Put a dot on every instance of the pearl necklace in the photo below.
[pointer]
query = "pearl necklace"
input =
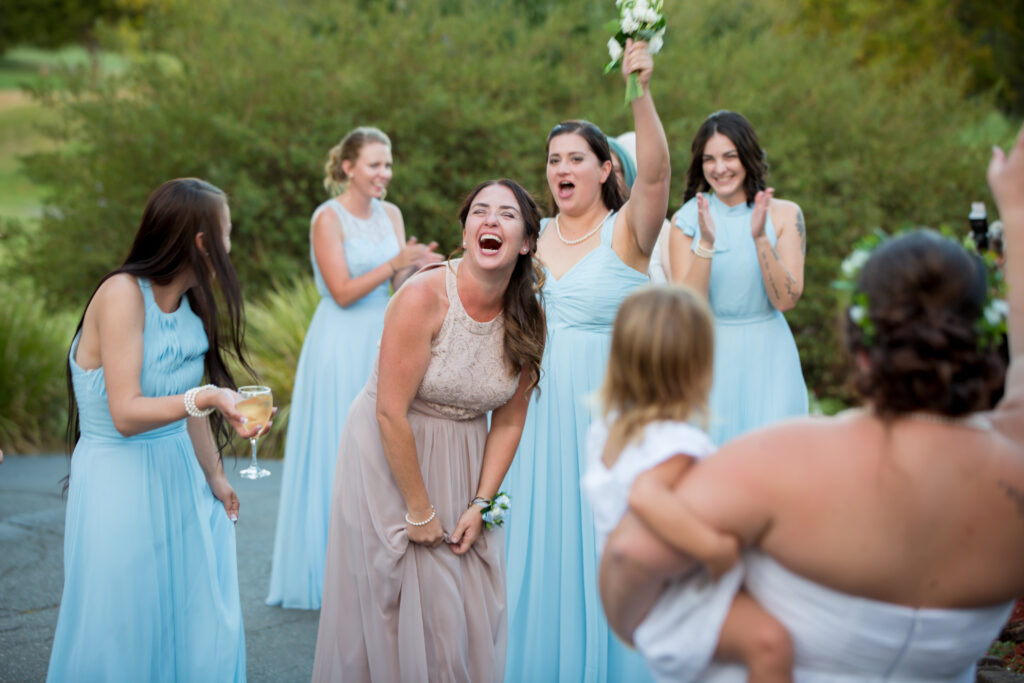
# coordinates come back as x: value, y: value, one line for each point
x: 558, y: 231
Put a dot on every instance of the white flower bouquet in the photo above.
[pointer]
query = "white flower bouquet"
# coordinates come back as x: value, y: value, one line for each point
x: 639, y: 20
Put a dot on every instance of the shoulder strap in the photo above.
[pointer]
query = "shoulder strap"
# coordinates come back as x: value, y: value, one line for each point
x: 147, y: 291
x: 608, y: 229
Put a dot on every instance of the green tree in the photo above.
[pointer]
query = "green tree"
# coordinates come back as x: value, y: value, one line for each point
x: 254, y: 93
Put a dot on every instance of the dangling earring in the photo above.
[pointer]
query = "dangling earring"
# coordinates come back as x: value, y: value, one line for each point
x: 463, y: 244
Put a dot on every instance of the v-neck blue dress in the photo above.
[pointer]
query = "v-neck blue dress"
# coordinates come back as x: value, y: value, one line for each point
x: 758, y: 379
x: 557, y: 628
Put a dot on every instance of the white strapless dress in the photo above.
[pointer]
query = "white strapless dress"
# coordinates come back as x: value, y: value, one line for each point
x: 845, y: 638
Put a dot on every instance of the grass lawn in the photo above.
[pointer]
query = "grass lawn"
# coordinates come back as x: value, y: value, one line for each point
x: 19, y: 135
x: 20, y: 66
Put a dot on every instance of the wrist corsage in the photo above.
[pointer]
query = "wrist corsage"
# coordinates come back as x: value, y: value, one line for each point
x: 494, y: 510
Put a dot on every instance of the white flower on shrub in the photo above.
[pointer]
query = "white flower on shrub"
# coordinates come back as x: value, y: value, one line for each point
x: 854, y: 262
x: 996, y: 311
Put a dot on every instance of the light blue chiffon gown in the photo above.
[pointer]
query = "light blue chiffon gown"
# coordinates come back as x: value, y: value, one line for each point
x: 336, y: 360
x: 557, y: 628
x: 150, y: 573
x: 758, y: 379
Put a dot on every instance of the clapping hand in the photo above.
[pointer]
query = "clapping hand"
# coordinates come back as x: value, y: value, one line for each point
x: 705, y: 221
x: 762, y: 202
x: 416, y: 255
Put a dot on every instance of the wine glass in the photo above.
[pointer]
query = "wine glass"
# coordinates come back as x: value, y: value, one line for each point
x: 257, y: 404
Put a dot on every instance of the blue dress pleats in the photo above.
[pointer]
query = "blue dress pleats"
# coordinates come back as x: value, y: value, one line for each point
x: 758, y: 379
x: 557, y: 628
x: 336, y: 360
x: 150, y: 572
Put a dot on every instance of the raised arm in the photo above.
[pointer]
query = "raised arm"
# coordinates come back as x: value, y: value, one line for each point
x: 782, y: 265
x: 1006, y: 179
x: 412, y: 319
x: 645, y: 210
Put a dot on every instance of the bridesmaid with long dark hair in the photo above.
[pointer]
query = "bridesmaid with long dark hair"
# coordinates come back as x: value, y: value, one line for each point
x: 150, y: 575
x: 745, y: 250
x: 414, y: 588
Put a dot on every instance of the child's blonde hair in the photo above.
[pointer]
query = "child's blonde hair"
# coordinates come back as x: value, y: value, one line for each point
x: 661, y: 363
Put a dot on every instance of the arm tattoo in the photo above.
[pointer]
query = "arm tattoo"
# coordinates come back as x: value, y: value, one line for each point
x: 767, y: 270
x: 801, y: 230
x: 1014, y: 494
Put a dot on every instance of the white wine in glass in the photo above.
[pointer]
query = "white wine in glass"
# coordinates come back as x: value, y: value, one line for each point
x: 257, y: 404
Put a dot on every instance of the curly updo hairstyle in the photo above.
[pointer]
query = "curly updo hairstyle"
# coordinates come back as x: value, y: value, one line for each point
x: 348, y: 149
x: 925, y: 295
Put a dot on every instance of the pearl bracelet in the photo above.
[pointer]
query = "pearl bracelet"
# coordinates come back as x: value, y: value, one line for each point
x: 428, y: 520
x: 190, y: 401
x: 702, y: 251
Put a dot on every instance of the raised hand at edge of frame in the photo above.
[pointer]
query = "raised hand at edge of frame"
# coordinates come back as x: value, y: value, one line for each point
x: 1006, y: 177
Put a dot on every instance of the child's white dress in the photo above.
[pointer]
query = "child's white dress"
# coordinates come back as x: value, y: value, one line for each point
x: 679, y: 635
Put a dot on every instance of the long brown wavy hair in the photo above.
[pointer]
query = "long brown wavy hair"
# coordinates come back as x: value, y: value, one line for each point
x: 660, y: 364
x: 525, y: 324
x: 737, y: 128
x: 164, y: 247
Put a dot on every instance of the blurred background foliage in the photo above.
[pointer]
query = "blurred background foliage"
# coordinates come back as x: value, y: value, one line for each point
x: 873, y: 114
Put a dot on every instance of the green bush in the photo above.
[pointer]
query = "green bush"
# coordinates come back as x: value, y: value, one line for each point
x: 34, y: 344
x: 254, y: 93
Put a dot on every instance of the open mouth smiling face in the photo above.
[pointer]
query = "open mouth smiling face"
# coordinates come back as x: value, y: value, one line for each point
x: 574, y: 169
x: 495, y: 225
x: 490, y: 244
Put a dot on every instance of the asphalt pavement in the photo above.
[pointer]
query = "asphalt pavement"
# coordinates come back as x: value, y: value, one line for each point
x: 279, y: 642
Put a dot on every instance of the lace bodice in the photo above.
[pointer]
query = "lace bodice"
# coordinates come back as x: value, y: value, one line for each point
x: 369, y: 242
x: 467, y: 375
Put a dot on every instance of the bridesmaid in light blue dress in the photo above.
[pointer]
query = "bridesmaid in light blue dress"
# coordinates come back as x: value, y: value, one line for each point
x: 745, y: 250
x: 358, y: 251
x: 596, y: 250
x: 150, y: 575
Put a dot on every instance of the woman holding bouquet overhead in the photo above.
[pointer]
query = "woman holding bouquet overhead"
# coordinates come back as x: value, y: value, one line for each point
x: 596, y: 249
